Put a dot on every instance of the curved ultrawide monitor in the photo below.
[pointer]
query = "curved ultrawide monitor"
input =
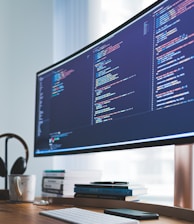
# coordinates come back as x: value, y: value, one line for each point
x: 134, y: 87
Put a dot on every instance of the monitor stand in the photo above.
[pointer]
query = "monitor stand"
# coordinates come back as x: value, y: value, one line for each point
x: 184, y: 180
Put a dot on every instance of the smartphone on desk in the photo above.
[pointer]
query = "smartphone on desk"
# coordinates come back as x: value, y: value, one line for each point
x: 131, y: 213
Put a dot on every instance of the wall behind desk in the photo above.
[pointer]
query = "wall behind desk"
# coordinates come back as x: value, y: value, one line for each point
x: 25, y: 47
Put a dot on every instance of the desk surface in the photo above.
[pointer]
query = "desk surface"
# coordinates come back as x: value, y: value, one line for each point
x: 29, y: 213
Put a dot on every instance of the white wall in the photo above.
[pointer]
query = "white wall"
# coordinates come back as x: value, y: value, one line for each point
x: 71, y: 24
x: 25, y: 47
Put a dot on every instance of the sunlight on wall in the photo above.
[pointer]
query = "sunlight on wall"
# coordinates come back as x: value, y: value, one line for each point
x: 119, y: 12
x: 152, y: 167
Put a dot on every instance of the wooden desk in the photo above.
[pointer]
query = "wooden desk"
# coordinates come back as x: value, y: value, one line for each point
x: 29, y: 213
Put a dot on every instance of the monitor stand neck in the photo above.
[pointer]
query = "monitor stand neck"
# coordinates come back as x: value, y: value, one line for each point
x: 184, y: 180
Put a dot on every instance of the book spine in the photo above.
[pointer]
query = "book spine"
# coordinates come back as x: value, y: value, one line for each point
x: 102, y: 186
x: 54, y: 173
x: 47, y: 194
x: 53, y: 191
x: 104, y: 191
x: 114, y: 197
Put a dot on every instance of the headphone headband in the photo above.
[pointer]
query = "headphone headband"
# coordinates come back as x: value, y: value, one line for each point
x: 11, y: 135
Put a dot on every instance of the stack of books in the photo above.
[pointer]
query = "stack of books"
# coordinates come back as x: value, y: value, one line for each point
x: 110, y: 190
x: 60, y: 183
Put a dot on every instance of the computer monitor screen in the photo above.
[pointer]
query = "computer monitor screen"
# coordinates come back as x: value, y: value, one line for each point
x: 134, y: 87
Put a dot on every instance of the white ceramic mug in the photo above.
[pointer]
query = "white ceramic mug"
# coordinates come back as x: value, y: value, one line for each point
x: 22, y: 187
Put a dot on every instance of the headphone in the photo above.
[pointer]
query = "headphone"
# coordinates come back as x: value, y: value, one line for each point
x: 20, y: 164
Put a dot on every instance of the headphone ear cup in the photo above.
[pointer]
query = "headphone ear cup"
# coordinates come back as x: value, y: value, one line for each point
x: 19, y: 166
x: 3, y: 170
